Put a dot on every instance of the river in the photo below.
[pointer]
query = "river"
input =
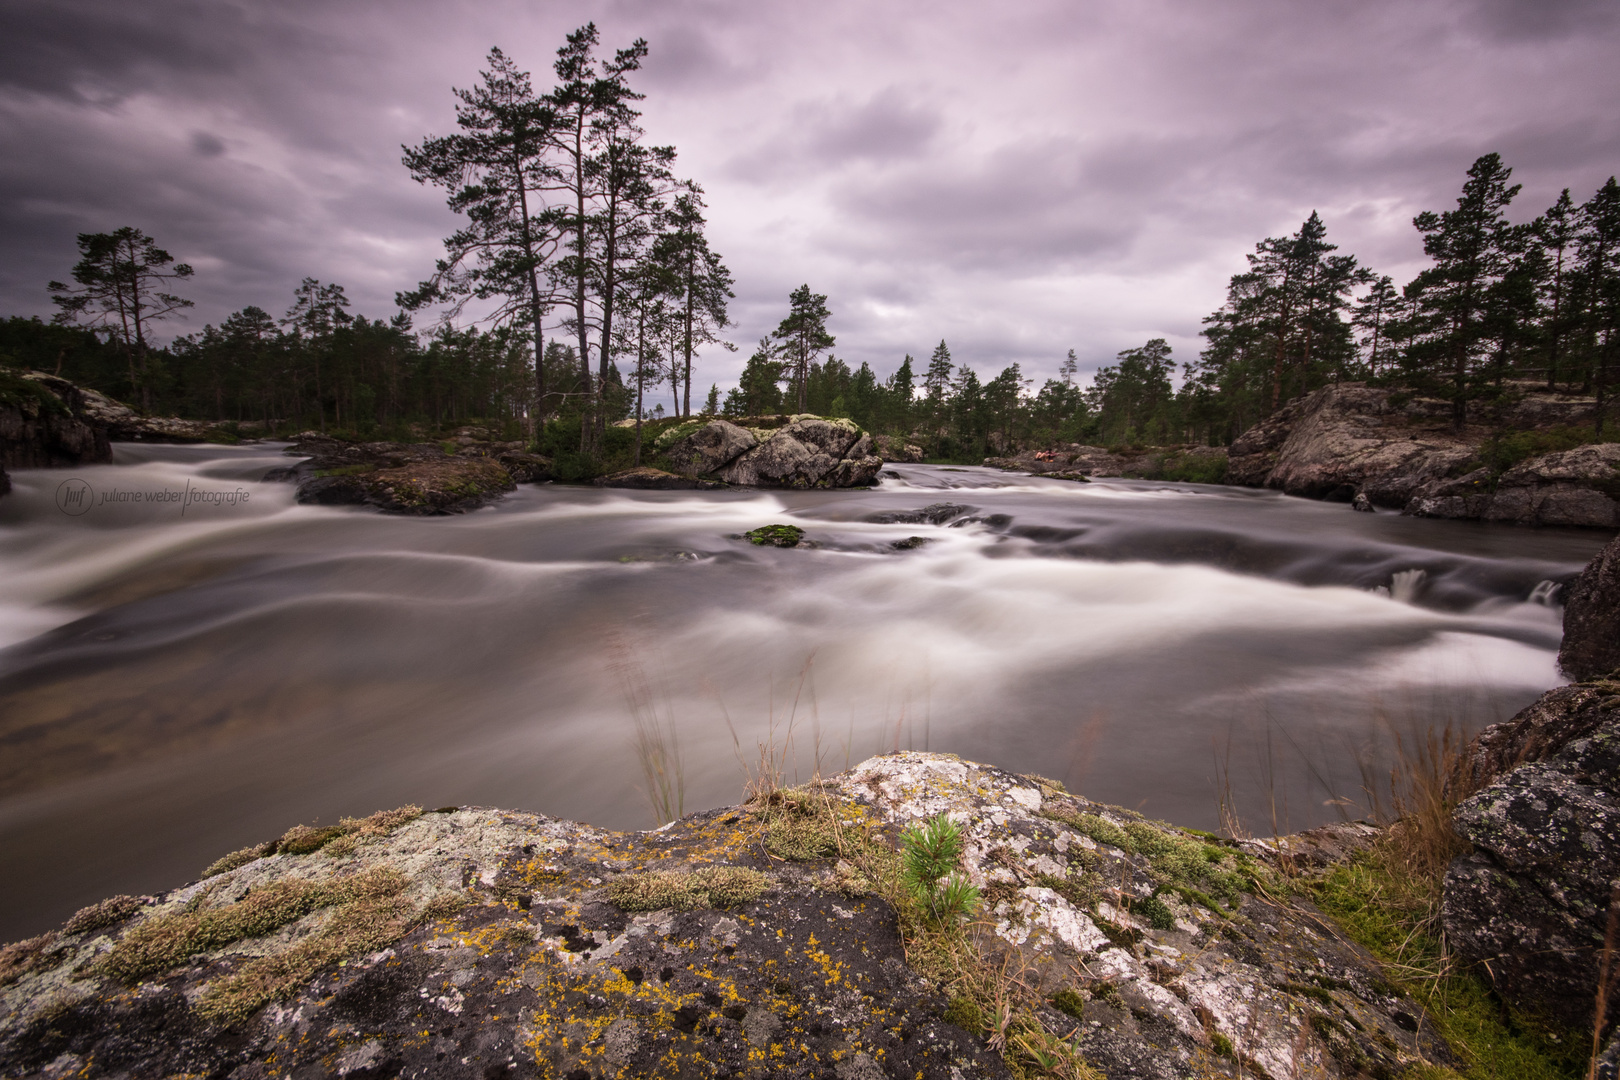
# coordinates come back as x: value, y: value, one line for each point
x: 190, y: 662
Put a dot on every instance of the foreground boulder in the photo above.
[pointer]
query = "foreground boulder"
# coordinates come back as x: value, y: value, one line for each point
x: 759, y: 940
x: 1532, y: 902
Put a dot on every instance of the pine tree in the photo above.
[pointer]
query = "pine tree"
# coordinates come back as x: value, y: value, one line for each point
x: 119, y: 287
x: 1598, y: 245
x: 1473, y: 249
x: 494, y: 169
x: 1372, y: 317
x: 1557, y: 230
x: 803, y: 335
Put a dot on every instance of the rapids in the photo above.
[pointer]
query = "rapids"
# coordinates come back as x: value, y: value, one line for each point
x: 190, y: 662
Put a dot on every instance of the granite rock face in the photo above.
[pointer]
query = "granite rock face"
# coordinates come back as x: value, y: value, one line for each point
x: 1353, y: 442
x: 1531, y: 902
x: 808, y: 452
x: 1341, y: 440
x: 48, y: 423
x: 1591, y: 645
x: 746, y: 941
x: 710, y: 448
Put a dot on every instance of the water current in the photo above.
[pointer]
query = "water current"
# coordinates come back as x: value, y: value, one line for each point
x: 190, y: 662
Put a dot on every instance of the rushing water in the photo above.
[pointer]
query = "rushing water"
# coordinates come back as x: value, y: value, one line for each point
x: 185, y: 670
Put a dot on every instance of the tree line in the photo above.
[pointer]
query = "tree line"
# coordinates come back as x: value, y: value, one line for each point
x: 576, y: 228
x: 580, y: 282
x: 1500, y: 309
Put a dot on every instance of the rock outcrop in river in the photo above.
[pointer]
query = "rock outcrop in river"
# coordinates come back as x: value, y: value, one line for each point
x: 757, y: 940
x: 776, y: 452
x: 408, y: 478
x: 1349, y: 441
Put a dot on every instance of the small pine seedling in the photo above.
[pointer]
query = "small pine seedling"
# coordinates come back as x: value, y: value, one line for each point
x: 929, y: 853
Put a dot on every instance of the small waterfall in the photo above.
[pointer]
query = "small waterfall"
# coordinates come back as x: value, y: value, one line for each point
x: 1545, y: 593
x: 1405, y: 585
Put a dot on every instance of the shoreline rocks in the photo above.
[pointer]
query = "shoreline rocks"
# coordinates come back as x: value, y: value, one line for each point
x: 1532, y: 902
x: 1380, y: 448
x: 747, y: 940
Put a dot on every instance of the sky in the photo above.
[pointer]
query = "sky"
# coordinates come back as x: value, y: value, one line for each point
x: 1018, y: 179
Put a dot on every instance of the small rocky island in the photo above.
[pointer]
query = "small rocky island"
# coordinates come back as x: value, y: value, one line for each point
x: 791, y: 935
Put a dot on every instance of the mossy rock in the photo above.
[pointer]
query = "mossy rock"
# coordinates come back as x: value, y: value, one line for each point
x: 782, y: 536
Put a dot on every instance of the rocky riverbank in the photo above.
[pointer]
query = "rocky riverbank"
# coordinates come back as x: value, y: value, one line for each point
x: 1377, y: 448
x: 760, y: 939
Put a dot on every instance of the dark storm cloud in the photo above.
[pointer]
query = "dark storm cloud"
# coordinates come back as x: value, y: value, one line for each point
x: 1019, y: 181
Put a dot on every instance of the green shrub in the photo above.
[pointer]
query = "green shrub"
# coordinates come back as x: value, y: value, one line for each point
x: 1505, y: 449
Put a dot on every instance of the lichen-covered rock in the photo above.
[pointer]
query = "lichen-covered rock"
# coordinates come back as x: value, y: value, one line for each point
x: 710, y: 448
x: 748, y: 941
x: 1591, y: 645
x: 1158, y: 932
x: 893, y: 448
x: 1531, y: 902
x: 806, y: 453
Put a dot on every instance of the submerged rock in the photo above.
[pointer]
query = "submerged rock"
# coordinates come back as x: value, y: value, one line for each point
x: 404, y: 478
x: 754, y: 940
x: 782, y: 536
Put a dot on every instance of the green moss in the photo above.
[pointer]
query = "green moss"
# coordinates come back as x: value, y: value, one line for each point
x: 1358, y: 896
x: 347, y: 470
x: 1220, y: 1044
x: 1155, y: 911
x: 799, y: 826
x: 1078, y: 889
x: 1068, y: 1001
x: 784, y: 536
x: 166, y: 941
x: 114, y: 909
x: 711, y: 886
x: 965, y: 1014
x: 370, y: 915
x: 29, y: 396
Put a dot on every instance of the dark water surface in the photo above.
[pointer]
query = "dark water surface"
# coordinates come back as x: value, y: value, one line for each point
x: 179, y: 679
